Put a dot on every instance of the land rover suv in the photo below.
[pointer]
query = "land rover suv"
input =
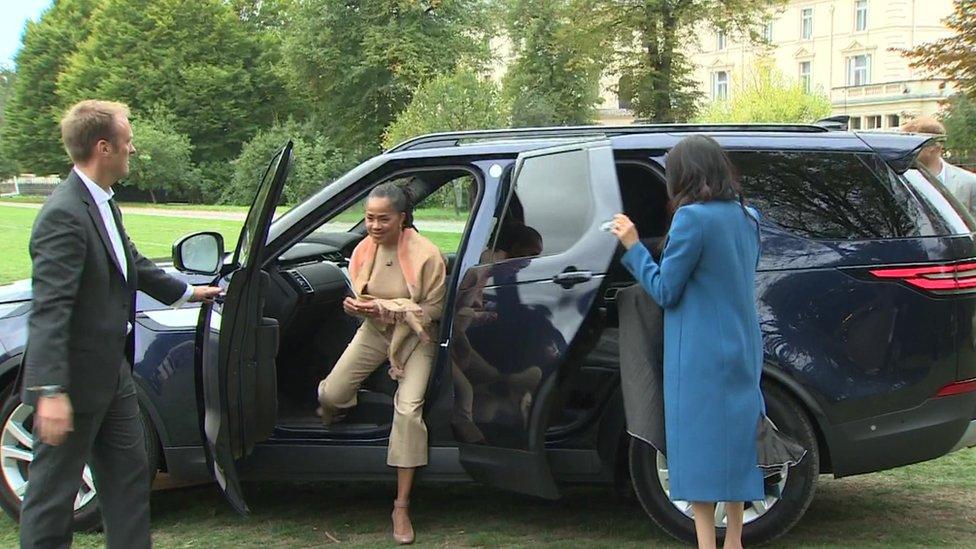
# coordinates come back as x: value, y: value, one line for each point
x: 866, y: 292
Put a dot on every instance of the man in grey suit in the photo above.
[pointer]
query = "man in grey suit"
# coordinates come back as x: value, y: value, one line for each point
x: 85, y: 275
x: 961, y: 183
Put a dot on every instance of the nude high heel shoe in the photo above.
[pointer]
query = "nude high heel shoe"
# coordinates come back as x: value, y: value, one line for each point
x: 404, y: 538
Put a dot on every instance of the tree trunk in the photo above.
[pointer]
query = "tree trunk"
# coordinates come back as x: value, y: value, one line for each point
x: 152, y: 196
x: 663, y: 108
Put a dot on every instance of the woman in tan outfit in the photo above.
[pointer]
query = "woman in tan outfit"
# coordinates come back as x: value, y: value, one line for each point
x: 398, y: 277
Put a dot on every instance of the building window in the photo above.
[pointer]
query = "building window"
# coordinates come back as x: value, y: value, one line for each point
x: 806, y: 69
x: 720, y: 86
x: 872, y: 122
x: 806, y: 23
x: 894, y: 121
x: 854, y: 123
x: 720, y: 40
x: 859, y: 70
x: 767, y: 32
x: 861, y: 15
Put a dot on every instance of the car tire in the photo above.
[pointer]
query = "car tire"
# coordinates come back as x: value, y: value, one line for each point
x: 13, y: 469
x: 648, y: 473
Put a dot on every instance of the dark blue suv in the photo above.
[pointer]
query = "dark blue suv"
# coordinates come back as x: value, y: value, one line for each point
x: 866, y: 293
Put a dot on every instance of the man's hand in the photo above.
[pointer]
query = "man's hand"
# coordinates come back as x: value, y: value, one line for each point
x: 205, y: 294
x: 623, y: 228
x: 53, y: 419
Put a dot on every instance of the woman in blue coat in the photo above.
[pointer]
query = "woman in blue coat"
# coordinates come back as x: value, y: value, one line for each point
x: 705, y: 282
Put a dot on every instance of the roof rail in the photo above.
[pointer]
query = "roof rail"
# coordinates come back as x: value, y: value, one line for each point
x: 453, y: 139
x: 834, y: 123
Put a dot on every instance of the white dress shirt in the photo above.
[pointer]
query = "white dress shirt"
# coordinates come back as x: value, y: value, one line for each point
x: 942, y: 172
x: 101, y: 197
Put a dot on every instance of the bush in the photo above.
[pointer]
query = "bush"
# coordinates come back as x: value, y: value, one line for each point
x: 457, y: 101
x: 162, y: 164
x: 316, y: 162
x: 766, y: 95
x: 959, y: 118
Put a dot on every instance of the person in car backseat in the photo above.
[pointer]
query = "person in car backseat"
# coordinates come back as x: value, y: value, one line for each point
x: 398, y: 277
x: 705, y: 282
x: 961, y: 183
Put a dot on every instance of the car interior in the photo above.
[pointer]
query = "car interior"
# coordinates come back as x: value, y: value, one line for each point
x: 309, y: 281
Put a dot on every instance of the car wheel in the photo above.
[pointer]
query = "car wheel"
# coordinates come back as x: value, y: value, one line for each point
x: 764, y: 520
x: 16, y: 443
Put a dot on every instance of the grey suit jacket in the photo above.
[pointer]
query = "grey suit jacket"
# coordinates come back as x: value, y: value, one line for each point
x: 81, y: 302
x: 962, y: 184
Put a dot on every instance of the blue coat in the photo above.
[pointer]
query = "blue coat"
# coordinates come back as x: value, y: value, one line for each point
x: 712, y: 349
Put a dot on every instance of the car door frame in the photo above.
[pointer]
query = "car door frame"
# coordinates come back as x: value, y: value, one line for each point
x: 220, y: 426
x: 527, y: 469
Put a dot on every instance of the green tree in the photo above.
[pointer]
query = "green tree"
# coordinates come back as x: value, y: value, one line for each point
x: 959, y: 118
x: 451, y: 102
x: 30, y: 134
x: 954, y: 56
x: 766, y: 95
x: 317, y: 161
x: 555, y: 75
x: 195, y: 59
x: 358, y: 63
x: 162, y: 161
x: 7, y: 165
x: 649, y: 38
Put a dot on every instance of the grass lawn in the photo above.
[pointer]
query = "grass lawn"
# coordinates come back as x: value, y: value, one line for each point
x: 925, y: 505
x: 352, y: 215
x: 153, y: 236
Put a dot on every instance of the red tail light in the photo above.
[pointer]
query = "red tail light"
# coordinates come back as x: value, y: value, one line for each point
x: 937, y: 279
x: 958, y: 388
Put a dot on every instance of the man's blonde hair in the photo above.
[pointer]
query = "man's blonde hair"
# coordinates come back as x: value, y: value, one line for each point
x: 924, y: 124
x: 88, y: 122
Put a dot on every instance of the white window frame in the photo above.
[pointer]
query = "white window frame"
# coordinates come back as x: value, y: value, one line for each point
x: 853, y: 70
x: 806, y: 77
x: 806, y: 23
x: 720, y: 87
x: 767, y: 32
x: 721, y: 41
x: 860, y: 15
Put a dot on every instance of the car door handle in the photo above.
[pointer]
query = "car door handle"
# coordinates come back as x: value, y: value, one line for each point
x: 569, y: 279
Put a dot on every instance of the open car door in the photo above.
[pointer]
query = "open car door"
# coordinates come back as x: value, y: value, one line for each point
x: 525, y: 316
x: 237, y: 345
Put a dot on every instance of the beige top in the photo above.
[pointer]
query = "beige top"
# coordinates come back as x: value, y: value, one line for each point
x: 386, y: 281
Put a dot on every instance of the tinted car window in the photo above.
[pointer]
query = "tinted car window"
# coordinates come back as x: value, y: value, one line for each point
x: 550, y: 208
x: 948, y: 214
x: 832, y: 196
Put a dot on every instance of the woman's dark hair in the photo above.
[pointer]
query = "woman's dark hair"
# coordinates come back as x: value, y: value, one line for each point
x: 400, y: 196
x: 698, y: 170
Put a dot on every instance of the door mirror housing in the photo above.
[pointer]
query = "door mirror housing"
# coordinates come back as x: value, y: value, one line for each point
x: 199, y: 253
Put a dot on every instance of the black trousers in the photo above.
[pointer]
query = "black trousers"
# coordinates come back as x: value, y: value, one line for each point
x: 111, y: 440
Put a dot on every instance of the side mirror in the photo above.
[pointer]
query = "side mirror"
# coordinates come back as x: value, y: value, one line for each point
x: 199, y: 253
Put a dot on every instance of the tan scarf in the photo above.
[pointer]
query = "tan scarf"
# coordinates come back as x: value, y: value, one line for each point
x: 424, y: 272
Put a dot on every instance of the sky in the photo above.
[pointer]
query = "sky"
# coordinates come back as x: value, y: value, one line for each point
x: 14, y: 15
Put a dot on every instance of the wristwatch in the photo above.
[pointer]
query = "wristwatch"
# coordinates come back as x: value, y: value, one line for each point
x: 47, y: 390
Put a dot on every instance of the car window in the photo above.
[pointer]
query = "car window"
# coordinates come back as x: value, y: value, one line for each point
x: 441, y: 215
x: 550, y: 208
x: 828, y: 195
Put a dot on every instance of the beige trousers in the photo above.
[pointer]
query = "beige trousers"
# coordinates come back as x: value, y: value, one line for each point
x: 369, y: 349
